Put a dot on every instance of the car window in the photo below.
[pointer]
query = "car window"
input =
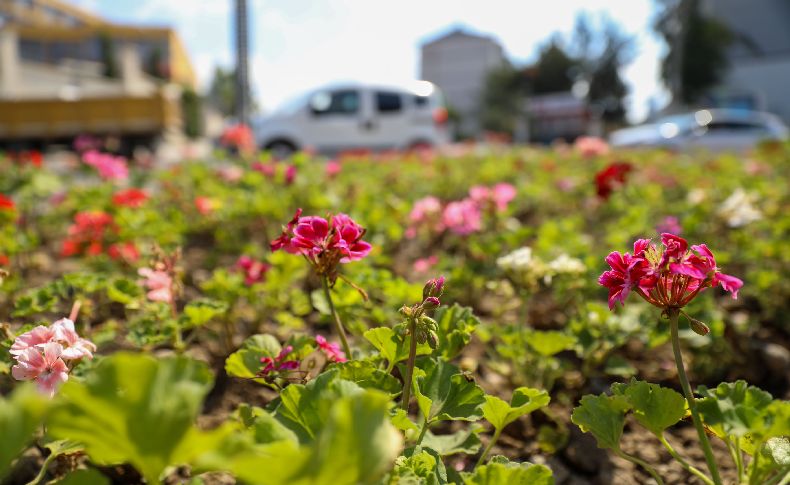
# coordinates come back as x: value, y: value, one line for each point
x: 388, y: 102
x: 734, y: 126
x: 421, y: 101
x: 343, y: 102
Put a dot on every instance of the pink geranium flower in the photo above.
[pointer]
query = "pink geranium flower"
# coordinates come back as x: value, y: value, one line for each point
x: 591, y: 146
x: 325, y: 243
x: 462, y: 217
x: 668, y: 278
x: 274, y: 365
x: 109, y: 166
x: 159, y: 283
x: 44, y: 365
x: 333, y: 168
x: 254, y: 271
x: 332, y: 351
x: 205, y: 205
x: 422, y: 265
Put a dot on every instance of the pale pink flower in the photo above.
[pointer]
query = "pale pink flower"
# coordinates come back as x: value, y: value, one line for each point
x: 670, y: 224
x: 44, y: 365
x: 74, y: 347
x: 109, y: 166
x: 422, y: 265
x: 332, y: 351
x: 462, y: 217
x: 502, y: 194
x: 159, y: 283
x: 425, y: 208
x: 205, y: 205
x: 480, y: 194
x: 333, y: 168
x: 230, y: 174
x: 591, y: 146
x: 38, y: 336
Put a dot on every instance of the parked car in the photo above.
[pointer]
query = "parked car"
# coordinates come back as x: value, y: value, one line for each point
x: 345, y: 117
x: 711, y: 129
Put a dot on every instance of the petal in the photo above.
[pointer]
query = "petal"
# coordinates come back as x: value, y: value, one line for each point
x: 729, y: 283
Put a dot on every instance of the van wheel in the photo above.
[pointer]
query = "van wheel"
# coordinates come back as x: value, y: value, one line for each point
x: 281, y: 149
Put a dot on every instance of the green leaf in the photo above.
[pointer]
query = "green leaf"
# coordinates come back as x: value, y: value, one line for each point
x: 133, y: 408
x: 201, y: 311
x: 456, y: 324
x: 550, y: 342
x: 20, y: 415
x: 502, y: 472
x: 265, y: 427
x: 655, y: 407
x: 391, y: 347
x: 124, y: 291
x: 89, y: 476
x: 734, y: 409
x: 368, y: 376
x: 419, y: 465
x: 443, y: 393
x: 400, y: 419
x: 603, y: 416
x: 304, y: 408
x: 525, y: 400
x: 462, y: 441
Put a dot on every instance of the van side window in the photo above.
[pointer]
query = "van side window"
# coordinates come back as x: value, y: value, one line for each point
x: 344, y: 102
x: 388, y: 102
x: 421, y: 100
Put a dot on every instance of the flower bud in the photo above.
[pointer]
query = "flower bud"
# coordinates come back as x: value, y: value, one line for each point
x: 430, y: 303
x: 433, y: 340
x: 433, y: 287
x: 698, y: 327
x: 406, y: 311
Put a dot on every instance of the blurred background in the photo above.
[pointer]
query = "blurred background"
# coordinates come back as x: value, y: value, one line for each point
x: 335, y: 75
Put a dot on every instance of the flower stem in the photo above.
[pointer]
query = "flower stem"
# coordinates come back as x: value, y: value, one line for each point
x: 336, y: 318
x: 422, y: 432
x: 43, y: 470
x: 684, y: 383
x: 406, y: 395
x: 690, y: 468
x: 490, y: 445
x: 652, y: 471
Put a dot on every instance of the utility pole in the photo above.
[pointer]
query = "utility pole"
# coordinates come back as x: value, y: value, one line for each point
x: 242, y: 64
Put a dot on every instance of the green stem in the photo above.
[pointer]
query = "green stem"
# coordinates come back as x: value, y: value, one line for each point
x: 178, y: 343
x: 736, y: 451
x: 690, y: 468
x: 684, y: 383
x: 784, y: 475
x: 755, y: 472
x: 406, y: 395
x: 43, y: 470
x: 490, y: 445
x: 336, y: 318
x: 652, y: 471
x: 422, y: 433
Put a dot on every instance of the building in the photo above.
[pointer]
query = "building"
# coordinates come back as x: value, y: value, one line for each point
x: 759, y: 70
x: 64, y: 71
x: 458, y: 62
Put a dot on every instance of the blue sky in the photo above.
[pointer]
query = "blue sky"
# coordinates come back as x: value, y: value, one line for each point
x: 300, y: 44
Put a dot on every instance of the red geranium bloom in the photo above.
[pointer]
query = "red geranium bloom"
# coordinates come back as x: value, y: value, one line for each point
x: 610, y: 177
x: 254, y: 271
x: 668, y: 278
x: 130, y: 198
x: 6, y: 203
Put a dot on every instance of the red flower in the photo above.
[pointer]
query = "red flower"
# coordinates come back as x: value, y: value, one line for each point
x: 610, y: 177
x: 126, y: 251
x: 254, y: 271
x: 130, y: 198
x: 6, y: 203
x: 88, y: 234
x: 4, y: 260
x: 667, y: 279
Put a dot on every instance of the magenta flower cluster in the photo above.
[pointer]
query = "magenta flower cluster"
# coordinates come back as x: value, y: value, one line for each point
x: 668, y: 278
x: 42, y: 354
x: 463, y: 216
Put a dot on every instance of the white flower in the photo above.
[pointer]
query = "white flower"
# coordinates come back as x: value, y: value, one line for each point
x: 565, y: 264
x: 739, y: 210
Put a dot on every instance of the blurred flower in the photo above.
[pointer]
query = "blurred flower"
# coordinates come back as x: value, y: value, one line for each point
x: 696, y: 196
x: 109, y: 166
x: 240, y: 137
x: 669, y: 224
x: 6, y: 204
x: 159, y: 283
x: 125, y: 251
x: 88, y: 233
x: 566, y: 184
x: 422, y: 265
x: 130, y: 198
x: 333, y: 168
x: 274, y: 365
x: 290, y: 174
x: 28, y: 157
x: 609, y: 178
x: 85, y: 142
x: 424, y: 208
x: 332, y: 351
x: 254, y: 271
x: 591, y: 146
x: 206, y: 205
x: 739, y: 210
x: 667, y: 279
x: 462, y: 217
x: 564, y: 264
x: 231, y: 173
x: 267, y: 169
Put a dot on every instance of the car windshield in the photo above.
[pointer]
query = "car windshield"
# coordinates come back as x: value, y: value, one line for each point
x: 292, y: 105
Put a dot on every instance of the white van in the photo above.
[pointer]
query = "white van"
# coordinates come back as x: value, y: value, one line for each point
x: 345, y: 117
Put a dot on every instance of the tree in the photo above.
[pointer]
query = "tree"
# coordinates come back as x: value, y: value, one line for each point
x: 222, y: 92
x: 697, y: 56
x: 552, y: 73
x: 502, y: 99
